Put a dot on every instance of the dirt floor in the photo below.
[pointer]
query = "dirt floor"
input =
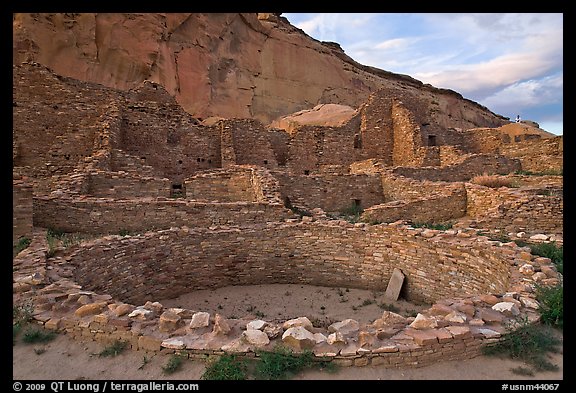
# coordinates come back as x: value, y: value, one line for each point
x: 280, y: 302
x: 68, y: 359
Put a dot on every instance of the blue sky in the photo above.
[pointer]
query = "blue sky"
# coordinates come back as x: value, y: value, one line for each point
x: 510, y: 63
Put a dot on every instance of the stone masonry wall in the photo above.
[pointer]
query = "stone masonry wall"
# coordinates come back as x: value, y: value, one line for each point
x: 280, y: 144
x: 376, y: 128
x: 21, y: 209
x: 539, y: 155
x: 222, y: 186
x: 515, y: 210
x: 331, y: 192
x: 56, y: 120
x: 408, y: 149
x: 100, y: 215
x: 436, y: 207
x: 168, y: 264
x: 124, y: 185
x: 165, y: 137
x: 473, y: 165
x: 250, y: 142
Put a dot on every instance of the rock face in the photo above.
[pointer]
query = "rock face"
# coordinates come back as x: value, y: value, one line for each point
x: 244, y: 65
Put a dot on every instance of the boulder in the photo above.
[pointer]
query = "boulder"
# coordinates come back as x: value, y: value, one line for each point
x: 141, y: 314
x: 456, y: 317
x: 299, y: 338
x: 345, y: 327
x: 199, y: 320
x: 90, y: 309
x: 173, y: 343
x: 301, y: 321
x: 336, y: 338
x: 389, y: 318
x: 256, y: 324
x: 424, y: 322
x: 539, y: 237
x: 255, y: 337
x: 506, y: 308
x: 169, y: 321
x: 273, y: 331
x: 221, y: 325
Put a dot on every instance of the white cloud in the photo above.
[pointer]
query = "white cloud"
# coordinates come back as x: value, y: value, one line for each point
x: 528, y: 93
x: 396, y: 43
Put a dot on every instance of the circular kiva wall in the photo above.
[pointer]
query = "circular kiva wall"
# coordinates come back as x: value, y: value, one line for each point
x: 169, y: 263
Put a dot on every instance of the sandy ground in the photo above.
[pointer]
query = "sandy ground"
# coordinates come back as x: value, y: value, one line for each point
x: 68, y: 359
x: 279, y: 302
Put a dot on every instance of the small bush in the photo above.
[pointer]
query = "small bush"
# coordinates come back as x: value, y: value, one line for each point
x: 22, y: 244
x: 551, y: 305
x: 282, y: 363
x: 15, y: 331
x: 529, y: 343
x: 492, y: 181
x: 174, y: 364
x: 367, y: 302
x: 550, y: 172
x: 438, y: 226
x: 388, y: 307
x: 226, y: 367
x: 352, y: 213
x: 35, y: 335
x: 552, y: 251
x: 522, y: 371
x: 114, y: 349
x: 22, y: 314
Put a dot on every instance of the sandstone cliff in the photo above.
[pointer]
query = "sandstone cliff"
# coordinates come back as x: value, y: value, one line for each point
x: 228, y: 65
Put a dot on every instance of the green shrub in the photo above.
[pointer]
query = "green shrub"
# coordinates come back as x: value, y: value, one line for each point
x: 367, y: 302
x: 438, y: 226
x: 226, y: 367
x: 529, y: 343
x: 388, y: 307
x: 552, y: 251
x: 551, y: 305
x: 114, y: 349
x: 173, y: 365
x: 22, y: 244
x: 550, y: 172
x: 35, y: 335
x: 282, y: 363
x: 352, y: 210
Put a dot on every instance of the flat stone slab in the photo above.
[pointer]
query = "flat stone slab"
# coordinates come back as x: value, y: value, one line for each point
x: 394, y: 285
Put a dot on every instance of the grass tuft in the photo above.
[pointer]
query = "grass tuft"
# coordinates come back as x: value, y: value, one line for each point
x: 282, y: 363
x: 529, y: 343
x: 551, y: 305
x: 552, y: 251
x: 492, y: 181
x: 22, y: 244
x: 174, y: 364
x: 35, y: 335
x: 114, y: 349
x: 438, y: 226
x: 225, y: 368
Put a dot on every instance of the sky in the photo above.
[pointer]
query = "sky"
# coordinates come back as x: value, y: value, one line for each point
x: 510, y: 63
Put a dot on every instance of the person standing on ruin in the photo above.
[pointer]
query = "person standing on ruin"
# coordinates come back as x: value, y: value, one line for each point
x: 517, y: 118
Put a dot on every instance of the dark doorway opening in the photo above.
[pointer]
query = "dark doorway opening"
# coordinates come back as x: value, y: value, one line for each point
x: 432, y: 140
